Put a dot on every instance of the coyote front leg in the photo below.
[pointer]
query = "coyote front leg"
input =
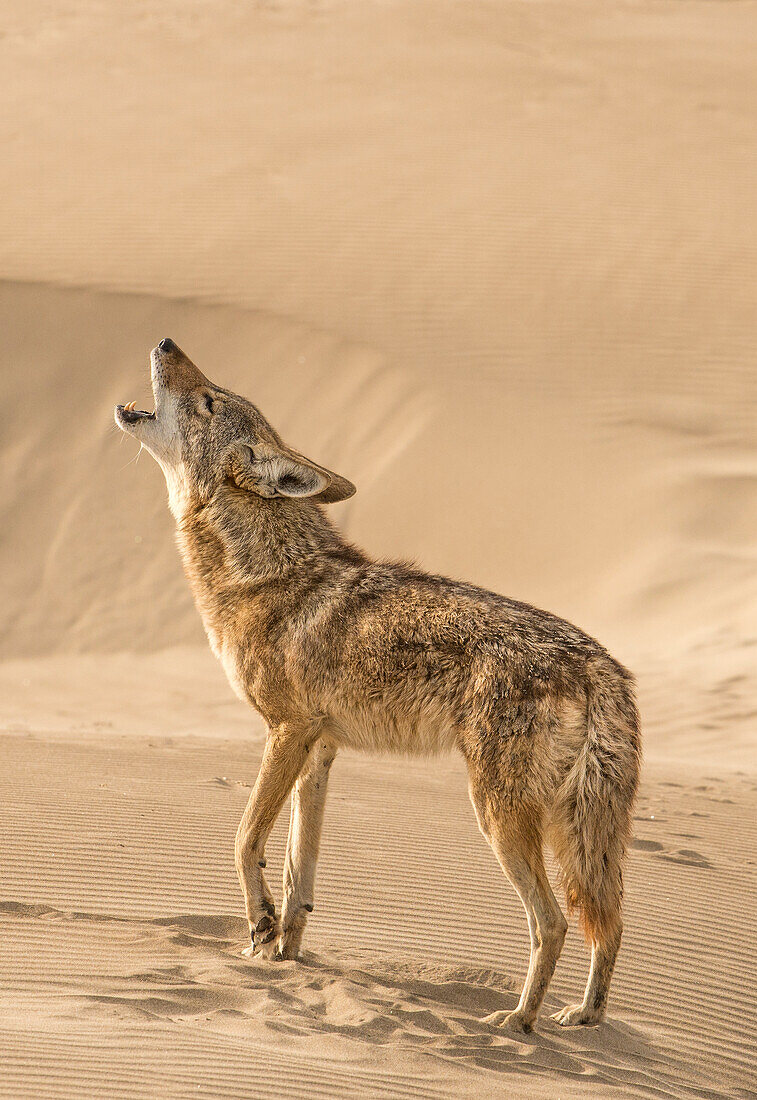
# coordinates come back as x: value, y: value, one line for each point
x: 284, y: 755
x: 306, y: 819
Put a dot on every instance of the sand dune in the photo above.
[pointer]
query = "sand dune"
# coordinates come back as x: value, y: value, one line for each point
x: 655, y: 553
x: 494, y: 263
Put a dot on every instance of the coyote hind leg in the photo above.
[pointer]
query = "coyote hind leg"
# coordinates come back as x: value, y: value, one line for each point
x: 305, y: 822
x: 592, y: 1010
x: 515, y: 836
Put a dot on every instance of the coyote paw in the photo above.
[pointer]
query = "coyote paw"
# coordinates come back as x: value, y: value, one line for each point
x: 293, y: 930
x: 512, y: 1021
x: 265, y: 935
x: 288, y: 948
x: 575, y: 1015
x: 267, y: 952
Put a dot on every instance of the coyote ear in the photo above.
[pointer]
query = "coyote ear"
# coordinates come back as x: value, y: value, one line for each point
x: 270, y: 472
x: 337, y: 487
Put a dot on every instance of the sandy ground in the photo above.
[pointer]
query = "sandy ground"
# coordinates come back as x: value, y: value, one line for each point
x: 495, y: 263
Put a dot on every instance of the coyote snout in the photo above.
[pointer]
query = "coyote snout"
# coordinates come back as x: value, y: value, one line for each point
x: 337, y: 650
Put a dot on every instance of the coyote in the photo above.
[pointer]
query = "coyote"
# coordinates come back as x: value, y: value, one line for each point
x: 337, y: 650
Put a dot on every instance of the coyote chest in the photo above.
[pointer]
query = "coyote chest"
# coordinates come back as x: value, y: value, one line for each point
x: 229, y: 656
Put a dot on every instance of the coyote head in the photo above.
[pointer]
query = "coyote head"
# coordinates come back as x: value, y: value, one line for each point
x: 204, y: 437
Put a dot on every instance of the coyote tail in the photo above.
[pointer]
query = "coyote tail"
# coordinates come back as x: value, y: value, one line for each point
x: 591, y: 819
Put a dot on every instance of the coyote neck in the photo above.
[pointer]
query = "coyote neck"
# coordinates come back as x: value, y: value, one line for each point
x: 240, y: 541
x: 241, y: 538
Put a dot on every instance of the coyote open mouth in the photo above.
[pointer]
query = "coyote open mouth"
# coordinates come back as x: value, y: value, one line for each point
x: 131, y: 415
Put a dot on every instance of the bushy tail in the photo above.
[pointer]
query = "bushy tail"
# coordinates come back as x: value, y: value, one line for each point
x: 591, y: 819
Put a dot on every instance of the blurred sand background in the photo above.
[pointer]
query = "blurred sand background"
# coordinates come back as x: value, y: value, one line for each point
x: 494, y: 262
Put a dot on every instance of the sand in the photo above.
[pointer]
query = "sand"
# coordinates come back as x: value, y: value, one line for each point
x: 122, y: 973
x: 495, y: 264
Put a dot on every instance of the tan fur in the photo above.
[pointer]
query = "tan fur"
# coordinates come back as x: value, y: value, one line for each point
x: 337, y: 650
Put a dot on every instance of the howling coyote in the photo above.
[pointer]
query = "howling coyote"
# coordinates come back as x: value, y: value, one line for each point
x: 335, y: 649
